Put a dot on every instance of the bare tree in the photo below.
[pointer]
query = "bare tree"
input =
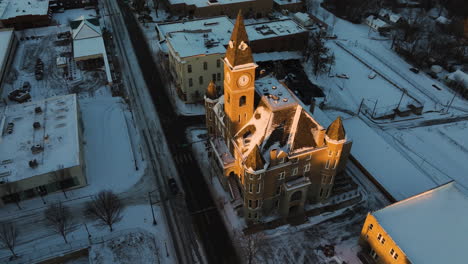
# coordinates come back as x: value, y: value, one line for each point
x: 320, y: 53
x: 249, y: 245
x: 107, y: 207
x: 8, y: 235
x: 59, y: 217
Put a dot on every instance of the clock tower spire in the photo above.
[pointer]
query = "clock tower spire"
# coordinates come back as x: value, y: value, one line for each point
x: 239, y: 79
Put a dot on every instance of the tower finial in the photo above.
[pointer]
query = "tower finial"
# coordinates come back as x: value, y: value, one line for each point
x: 238, y: 51
x: 336, y: 130
x: 211, y: 91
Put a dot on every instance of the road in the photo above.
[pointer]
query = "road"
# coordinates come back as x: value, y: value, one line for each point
x: 207, y: 222
x: 155, y: 147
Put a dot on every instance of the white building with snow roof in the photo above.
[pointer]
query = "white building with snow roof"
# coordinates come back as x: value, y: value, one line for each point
x: 88, y: 44
x: 41, y: 148
x: 428, y: 228
x: 195, y: 49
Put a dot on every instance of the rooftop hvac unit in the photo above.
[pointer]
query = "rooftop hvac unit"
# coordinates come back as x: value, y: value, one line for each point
x: 36, y: 149
x: 33, y: 163
x: 38, y: 110
x: 36, y: 125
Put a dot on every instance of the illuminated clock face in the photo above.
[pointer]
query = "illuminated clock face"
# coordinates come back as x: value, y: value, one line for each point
x: 243, y: 80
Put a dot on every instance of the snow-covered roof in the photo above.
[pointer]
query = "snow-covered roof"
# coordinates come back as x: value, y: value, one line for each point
x: 279, y: 122
x: 58, y: 135
x: 86, y: 29
x: 87, y: 40
x: 188, y: 44
x: 88, y: 47
x: 199, y: 3
x: 211, y: 36
x: 219, y: 26
x: 14, y: 8
x: 286, y: 2
x: 377, y: 22
x: 431, y: 227
x: 222, y: 152
x: 459, y: 76
x: 443, y: 20
x: 277, y: 55
x: 270, y: 29
x: 303, y: 17
x: 5, y: 37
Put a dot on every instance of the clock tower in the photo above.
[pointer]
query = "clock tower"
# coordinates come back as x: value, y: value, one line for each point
x: 239, y: 79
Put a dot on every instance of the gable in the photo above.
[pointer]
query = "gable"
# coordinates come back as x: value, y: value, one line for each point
x: 85, y: 31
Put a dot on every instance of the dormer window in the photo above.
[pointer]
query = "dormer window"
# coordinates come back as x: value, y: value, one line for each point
x: 243, y: 46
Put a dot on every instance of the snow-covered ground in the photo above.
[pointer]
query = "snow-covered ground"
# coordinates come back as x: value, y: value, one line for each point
x: 406, y: 155
x: 113, y: 161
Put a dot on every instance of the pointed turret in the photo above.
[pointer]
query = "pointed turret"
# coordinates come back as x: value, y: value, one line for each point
x: 238, y: 51
x: 211, y: 91
x: 255, y: 160
x: 336, y: 130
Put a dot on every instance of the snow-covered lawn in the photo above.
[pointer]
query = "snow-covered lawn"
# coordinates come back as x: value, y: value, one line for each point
x: 405, y: 162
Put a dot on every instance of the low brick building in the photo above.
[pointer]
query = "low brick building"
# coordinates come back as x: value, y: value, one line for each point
x: 428, y: 228
x: 21, y: 14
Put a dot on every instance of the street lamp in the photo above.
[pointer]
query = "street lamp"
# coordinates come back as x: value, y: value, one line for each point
x: 152, y: 212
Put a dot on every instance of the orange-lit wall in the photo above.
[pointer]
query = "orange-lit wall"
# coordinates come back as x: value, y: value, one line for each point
x: 368, y: 240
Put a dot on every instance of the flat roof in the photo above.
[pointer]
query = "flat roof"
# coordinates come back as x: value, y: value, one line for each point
x: 273, y: 29
x: 58, y: 135
x: 430, y: 227
x: 14, y: 8
x: 5, y: 37
x: 88, y: 47
x: 287, y: 2
x: 211, y: 35
x: 274, y: 93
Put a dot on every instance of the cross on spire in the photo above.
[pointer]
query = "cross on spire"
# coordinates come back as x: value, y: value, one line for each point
x: 238, y: 51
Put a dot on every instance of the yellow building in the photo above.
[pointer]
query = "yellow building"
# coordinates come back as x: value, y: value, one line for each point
x: 429, y: 228
x: 269, y: 153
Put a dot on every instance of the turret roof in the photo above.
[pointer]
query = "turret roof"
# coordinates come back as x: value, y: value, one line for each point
x: 211, y: 91
x: 238, y: 51
x: 336, y: 130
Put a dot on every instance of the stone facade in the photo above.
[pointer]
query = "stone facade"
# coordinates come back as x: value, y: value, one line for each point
x: 268, y: 152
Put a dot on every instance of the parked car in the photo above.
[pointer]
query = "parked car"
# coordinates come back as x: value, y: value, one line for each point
x: 173, y: 186
x: 19, y: 96
x: 372, y: 75
x: 342, y: 75
x: 432, y: 74
x: 415, y: 70
x: 437, y: 87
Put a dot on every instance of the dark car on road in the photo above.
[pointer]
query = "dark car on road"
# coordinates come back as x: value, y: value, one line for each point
x: 415, y: 70
x: 173, y: 186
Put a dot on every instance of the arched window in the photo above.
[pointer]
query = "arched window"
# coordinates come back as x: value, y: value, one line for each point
x: 296, y: 196
x: 242, y: 100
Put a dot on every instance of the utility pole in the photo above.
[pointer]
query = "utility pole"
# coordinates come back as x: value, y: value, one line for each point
x: 375, y: 106
x: 360, y: 105
x: 451, y: 101
x: 398, y: 106
x: 152, y: 212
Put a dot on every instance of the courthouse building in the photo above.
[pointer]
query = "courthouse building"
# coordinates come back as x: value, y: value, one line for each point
x: 270, y: 154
